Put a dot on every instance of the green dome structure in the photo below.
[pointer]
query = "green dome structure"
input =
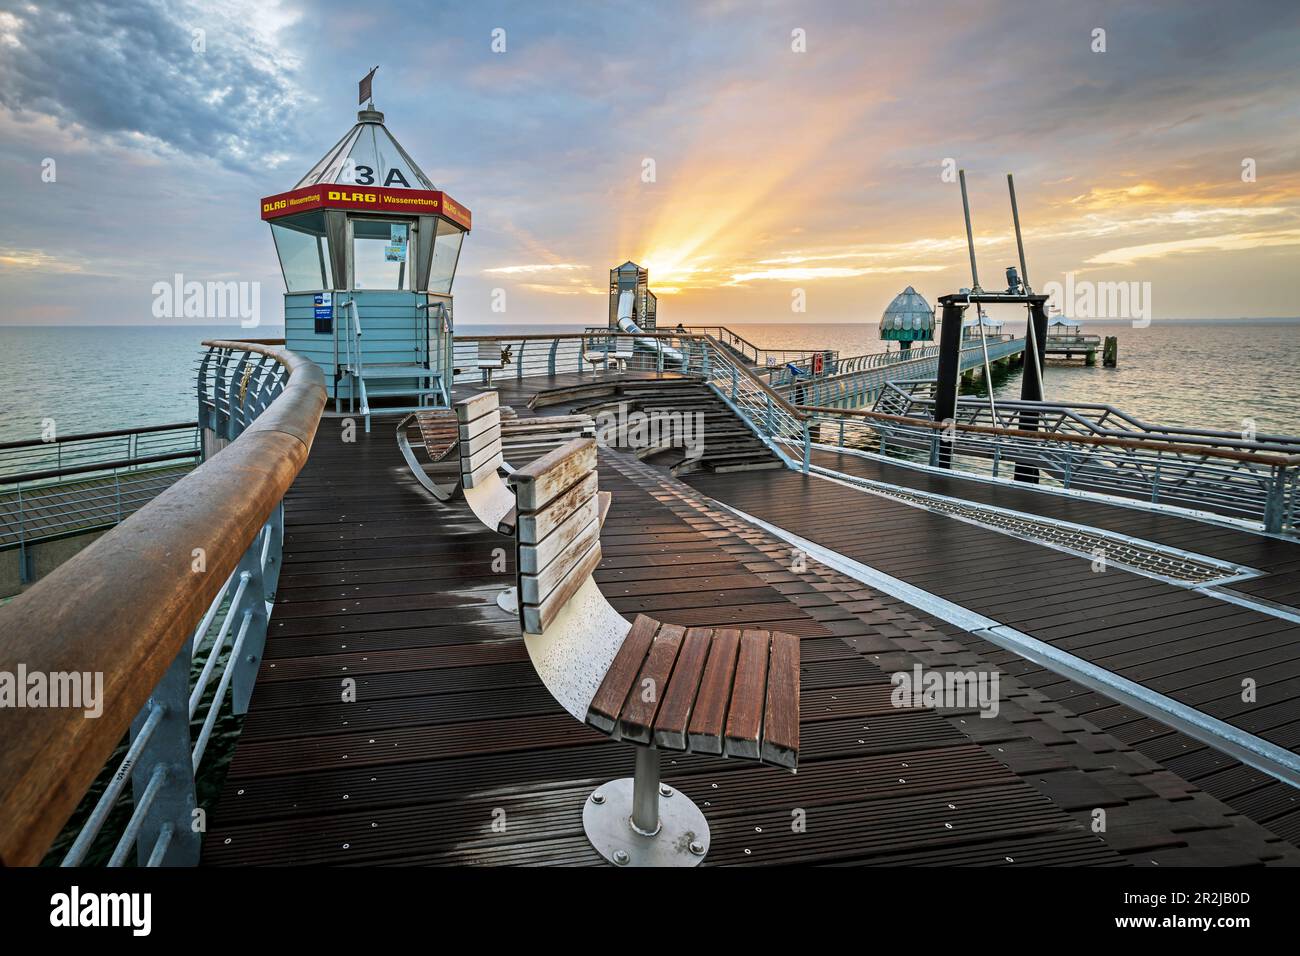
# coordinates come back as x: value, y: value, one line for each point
x: 908, y: 319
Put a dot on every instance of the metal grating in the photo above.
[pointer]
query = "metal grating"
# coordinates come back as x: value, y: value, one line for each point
x: 1142, y: 557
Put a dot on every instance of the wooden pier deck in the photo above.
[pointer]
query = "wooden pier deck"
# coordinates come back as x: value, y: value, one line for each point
x: 453, y: 752
x: 1191, y: 646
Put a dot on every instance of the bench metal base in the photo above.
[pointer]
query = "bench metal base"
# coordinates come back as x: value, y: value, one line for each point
x: 638, y: 821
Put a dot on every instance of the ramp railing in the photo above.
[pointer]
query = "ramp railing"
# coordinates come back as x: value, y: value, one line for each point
x: 580, y: 353
x: 1217, y: 474
x: 127, y: 637
x: 859, y: 381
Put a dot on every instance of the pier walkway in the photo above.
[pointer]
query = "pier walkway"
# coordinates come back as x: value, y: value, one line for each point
x: 453, y: 752
x: 1195, y: 645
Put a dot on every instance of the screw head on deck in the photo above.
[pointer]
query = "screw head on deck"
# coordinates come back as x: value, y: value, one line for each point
x: 697, y: 847
x: 665, y: 790
x: 621, y: 857
x: 597, y: 797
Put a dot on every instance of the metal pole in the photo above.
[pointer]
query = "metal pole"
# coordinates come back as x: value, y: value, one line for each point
x: 988, y: 371
x: 1020, y: 244
x: 1032, y: 345
x: 970, y: 236
x: 645, y: 791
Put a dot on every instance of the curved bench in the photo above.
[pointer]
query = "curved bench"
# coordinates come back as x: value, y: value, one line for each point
x: 657, y: 686
x: 439, y: 435
x: 481, y: 429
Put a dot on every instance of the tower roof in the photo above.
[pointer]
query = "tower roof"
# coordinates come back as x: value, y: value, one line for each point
x: 367, y: 171
x: 367, y: 155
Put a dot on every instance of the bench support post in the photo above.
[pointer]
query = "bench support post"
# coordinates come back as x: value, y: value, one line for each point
x: 645, y: 792
x: 638, y: 821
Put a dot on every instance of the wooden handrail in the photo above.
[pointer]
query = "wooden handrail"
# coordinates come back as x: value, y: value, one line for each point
x: 126, y: 605
x: 1263, y: 458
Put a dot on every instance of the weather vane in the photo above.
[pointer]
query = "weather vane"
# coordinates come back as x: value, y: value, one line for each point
x: 364, y: 91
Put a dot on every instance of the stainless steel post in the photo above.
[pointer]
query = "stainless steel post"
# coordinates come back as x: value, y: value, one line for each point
x: 645, y: 792
x: 970, y: 236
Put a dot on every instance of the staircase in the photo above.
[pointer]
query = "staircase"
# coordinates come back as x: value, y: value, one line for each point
x: 678, y: 424
x: 421, y: 386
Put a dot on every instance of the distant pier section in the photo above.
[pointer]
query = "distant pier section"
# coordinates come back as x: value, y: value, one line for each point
x: 1067, y: 340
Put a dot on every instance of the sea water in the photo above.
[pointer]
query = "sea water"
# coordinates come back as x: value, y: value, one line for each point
x: 1225, y: 374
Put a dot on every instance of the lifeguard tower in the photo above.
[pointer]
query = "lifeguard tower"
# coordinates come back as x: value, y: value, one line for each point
x: 368, y: 248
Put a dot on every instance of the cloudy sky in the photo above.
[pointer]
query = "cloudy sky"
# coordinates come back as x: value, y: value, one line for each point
x: 795, y: 146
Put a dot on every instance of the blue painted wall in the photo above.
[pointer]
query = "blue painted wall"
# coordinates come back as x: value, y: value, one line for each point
x: 392, y: 328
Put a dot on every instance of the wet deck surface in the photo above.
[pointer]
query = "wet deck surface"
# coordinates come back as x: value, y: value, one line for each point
x: 1279, y: 559
x: 1190, y: 646
x: 453, y: 752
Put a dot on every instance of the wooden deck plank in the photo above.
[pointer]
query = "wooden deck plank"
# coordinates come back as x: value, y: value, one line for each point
x: 1097, y: 616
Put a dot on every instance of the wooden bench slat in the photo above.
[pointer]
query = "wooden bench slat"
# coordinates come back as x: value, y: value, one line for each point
x: 476, y: 406
x: 484, y: 439
x: 781, y: 715
x: 547, y: 423
x: 534, y: 527
x: 554, y: 473
x: 675, y: 710
x: 637, y: 719
x: 536, y: 619
x: 477, y: 427
x: 534, y: 558
x: 748, y: 695
x: 710, y: 713
x: 536, y: 586
x: 607, y: 705
x: 480, y: 474
x: 470, y: 462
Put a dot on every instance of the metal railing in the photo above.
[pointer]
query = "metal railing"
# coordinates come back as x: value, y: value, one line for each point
x: 782, y: 375
x: 863, y: 382
x: 190, y: 576
x: 915, y: 399
x: 782, y: 426
x: 1085, y: 448
x: 84, y: 453
x: 526, y: 356
x: 1067, y: 341
x: 755, y: 355
x: 1080, y: 447
x: 87, y: 481
x: 353, y: 357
